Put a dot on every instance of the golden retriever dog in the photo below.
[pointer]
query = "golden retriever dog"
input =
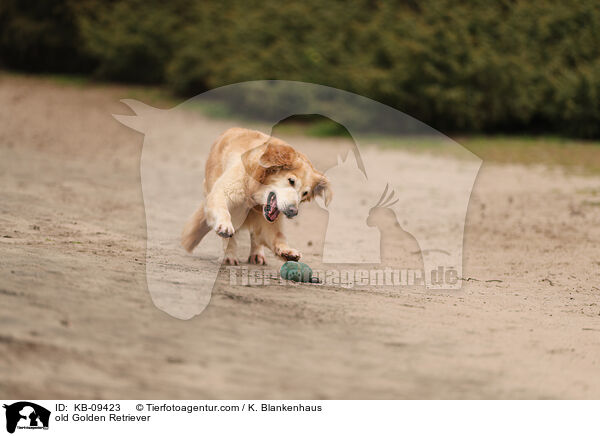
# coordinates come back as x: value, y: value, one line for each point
x: 250, y: 179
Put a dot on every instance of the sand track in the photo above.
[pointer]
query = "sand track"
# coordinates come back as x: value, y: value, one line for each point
x: 76, y: 319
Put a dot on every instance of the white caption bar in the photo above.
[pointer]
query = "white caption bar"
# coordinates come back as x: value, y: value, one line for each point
x: 158, y: 417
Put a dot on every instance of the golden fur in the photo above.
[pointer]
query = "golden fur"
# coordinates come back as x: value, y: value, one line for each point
x: 243, y: 168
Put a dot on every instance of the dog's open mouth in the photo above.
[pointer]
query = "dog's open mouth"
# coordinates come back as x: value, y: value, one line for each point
x: 270, y: 210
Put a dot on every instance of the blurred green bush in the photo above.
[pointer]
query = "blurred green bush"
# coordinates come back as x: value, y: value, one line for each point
x: 42, y: 36
x: 485, y: 66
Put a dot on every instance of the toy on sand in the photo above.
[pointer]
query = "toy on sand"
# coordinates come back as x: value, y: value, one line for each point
x: 297, y: 272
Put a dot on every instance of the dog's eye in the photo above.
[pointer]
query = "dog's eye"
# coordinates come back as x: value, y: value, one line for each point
x: 292, y: 182
x: 305, y: 193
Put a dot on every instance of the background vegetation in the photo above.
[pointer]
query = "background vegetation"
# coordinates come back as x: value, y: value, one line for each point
x: 476, y: 66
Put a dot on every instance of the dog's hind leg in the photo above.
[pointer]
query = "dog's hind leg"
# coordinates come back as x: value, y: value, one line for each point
x: 257, y: 251
x: 230, y: 246
x: 195, y: 229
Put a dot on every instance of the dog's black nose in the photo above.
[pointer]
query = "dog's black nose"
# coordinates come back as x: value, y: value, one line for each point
x: 291, y: 211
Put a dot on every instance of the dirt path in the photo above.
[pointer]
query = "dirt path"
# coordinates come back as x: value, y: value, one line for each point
x: 77, y: 321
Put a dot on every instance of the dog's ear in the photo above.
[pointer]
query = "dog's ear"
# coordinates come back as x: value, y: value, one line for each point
x: 278, y: 155
x: 250, y: 161
x: 323, y: 189
x: 261, y: 161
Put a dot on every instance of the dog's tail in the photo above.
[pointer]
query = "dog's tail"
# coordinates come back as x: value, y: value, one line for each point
x: 195, y: 229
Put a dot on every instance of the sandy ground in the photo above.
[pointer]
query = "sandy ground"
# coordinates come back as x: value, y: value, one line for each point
x: 77, y: 320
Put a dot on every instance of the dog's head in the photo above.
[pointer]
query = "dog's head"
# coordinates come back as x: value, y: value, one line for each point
x: 284, y: 178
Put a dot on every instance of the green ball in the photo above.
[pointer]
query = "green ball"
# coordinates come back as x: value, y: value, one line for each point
x: 296, y: 271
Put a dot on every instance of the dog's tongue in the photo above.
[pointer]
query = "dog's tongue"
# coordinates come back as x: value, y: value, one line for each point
x: 270, y: 209
x: 274, y: 213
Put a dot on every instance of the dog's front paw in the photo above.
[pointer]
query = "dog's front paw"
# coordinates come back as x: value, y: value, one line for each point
x: 288, y: 253
x: 225, y: 230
